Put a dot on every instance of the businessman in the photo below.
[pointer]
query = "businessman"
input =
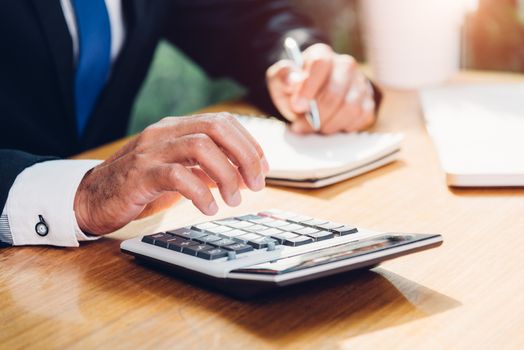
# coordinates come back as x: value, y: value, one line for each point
x: 70, y: 70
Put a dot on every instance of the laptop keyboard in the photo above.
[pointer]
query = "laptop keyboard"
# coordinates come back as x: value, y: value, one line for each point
x: 230, y: 237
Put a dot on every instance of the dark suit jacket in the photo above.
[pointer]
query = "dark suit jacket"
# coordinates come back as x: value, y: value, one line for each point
x: 237, y: 38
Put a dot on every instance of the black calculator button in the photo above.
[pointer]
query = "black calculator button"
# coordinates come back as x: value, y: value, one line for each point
x: 148, y: 239
x: 194, y: 249
x: 321, y: 235
x: 180, y: 243
x: 151, y: 238
x: 212, y: 254
x: 175, y: 244
x: 163, y: 242
x: 162, y: 239
x: 297, y: 241
x: 239, y: 248
x: 345, y: 230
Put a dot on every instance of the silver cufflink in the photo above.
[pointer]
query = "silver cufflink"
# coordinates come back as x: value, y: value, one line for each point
x: 41, y: 227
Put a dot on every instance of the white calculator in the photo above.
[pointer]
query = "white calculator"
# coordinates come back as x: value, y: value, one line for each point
x: 251, y: 254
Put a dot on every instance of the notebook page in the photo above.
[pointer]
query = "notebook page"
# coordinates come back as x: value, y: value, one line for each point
x: 301, y: 157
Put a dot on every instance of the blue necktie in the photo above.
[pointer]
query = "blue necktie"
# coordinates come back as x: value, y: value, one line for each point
x: 94, y: 34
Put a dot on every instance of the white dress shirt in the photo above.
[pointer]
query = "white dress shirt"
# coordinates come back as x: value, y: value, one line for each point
x: 48, y: 188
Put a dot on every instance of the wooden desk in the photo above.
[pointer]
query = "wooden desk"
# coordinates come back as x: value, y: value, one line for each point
x: 467, y: 294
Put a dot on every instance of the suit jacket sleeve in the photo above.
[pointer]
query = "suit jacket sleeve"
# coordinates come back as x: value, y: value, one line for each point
x: 12, y: 163
x: 238, y: 38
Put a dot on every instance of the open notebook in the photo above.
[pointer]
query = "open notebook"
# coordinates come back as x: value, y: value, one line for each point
x: 314, y: 161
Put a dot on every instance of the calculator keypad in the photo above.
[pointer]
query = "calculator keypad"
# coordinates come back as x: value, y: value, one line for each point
x: 229, y: 237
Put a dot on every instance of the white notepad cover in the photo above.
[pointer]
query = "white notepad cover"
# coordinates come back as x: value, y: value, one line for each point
x: 306, y: 157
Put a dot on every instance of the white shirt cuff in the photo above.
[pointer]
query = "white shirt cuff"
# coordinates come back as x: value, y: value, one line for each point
x: 47, y: 189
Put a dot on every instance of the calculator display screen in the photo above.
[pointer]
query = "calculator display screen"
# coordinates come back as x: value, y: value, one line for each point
x: 332, y: 254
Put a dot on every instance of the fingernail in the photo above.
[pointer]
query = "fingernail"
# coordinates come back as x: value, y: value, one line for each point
x: 352, y: 95
x: 212, y: 209
x: 235, y: 199
x: 260, y: 183
x: 300, y: 104
x: 265, y: 165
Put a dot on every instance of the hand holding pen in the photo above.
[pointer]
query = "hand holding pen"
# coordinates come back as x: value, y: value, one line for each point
x: 293, y: 51
x: 319, y: 90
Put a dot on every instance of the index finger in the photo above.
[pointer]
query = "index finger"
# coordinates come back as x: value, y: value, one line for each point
x: 318, y: 63
x: 254, y: 142
x: 226, y: 132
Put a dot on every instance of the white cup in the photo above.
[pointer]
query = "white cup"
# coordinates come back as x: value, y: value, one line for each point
x: 412, y: 43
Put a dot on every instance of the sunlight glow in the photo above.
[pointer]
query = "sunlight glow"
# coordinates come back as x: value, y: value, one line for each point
x: 471, y: 5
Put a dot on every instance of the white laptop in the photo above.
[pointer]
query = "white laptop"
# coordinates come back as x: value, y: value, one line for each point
x: 478, y: 131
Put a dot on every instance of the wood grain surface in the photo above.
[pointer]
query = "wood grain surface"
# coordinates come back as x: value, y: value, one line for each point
x: 467, y: 294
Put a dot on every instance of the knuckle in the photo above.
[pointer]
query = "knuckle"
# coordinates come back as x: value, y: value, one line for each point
x: 213, y: 125
x: 219, y: 123
x: 174, y: 173
x: 200, y: 142
x: 319, y: 48
x: 335, y: 91
x: 165, y: 120
x: 347, y: 60
x: 319, y: 63
x: 202, y: 193
x: 326, y: 48
x: 252, y: 162
x: 144, y: 138
x: 138, y: 164
x: 225, y: 118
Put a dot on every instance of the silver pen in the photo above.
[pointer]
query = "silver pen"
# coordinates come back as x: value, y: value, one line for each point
x: 293, y: 51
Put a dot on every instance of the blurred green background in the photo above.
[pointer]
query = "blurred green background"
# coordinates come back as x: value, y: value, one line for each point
x: 493, y: 40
